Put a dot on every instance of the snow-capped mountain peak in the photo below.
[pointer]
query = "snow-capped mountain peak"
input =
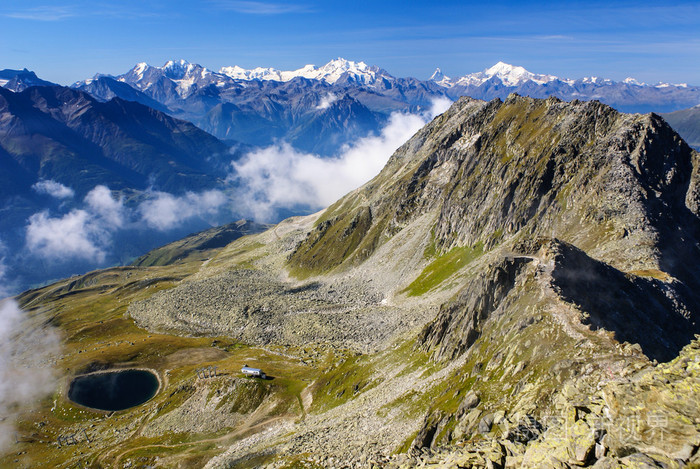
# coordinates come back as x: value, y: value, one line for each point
x: 333, y: 70
x: 136, y: 74
x: 358, y: 72
x: 183, y: 69
x: 438, y: 76
x: 170, y: 64
x: 513, y: 75
x: 503, y: 69
x: 186, y: 76
x: 257, y: 73
x: 509, y: 75
x: 140, y: 68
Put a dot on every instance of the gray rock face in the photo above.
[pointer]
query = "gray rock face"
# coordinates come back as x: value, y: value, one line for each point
x: 428, y: 432
x: 485, y: 424
x: 639, y: 310
x: 459, y: 322
x: 629, y: 306
x: 470, y: 401
x: 612, y: 184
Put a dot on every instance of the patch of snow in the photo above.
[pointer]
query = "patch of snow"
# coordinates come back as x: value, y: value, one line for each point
x: 258, y: 73
x: 597, y: 81
x: 668, y: 85
x: 139, y: 69
x: 632, y: 81
x: 184, y: 86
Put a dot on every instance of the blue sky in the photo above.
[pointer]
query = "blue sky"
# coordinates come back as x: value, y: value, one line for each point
x: 73, y: 40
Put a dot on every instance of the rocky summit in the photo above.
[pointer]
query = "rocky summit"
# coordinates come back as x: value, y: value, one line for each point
x: 518, y: 287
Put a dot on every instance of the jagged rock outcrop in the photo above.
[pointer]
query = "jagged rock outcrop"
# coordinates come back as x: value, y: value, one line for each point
x: 459, y: 322
x: 655, y: 314
x: 643, y: 310
x: 647, y: 420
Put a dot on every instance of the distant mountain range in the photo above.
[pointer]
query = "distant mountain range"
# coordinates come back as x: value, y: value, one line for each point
x: 343, y: 98
x: 262, y: 105
x: 63, y: 134
x: 261, y: 111
x: 628, y: 95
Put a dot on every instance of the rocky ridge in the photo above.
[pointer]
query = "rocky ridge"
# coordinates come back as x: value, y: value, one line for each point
x: 600, y: 426
x: 515, y: 263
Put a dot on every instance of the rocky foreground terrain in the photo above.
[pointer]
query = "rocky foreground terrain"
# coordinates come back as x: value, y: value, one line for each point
x: 519, y: 287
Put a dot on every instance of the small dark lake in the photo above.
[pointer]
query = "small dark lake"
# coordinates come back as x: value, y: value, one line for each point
x: 114, y: 390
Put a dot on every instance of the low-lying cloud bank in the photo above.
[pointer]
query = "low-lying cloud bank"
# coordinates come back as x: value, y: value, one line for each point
x: 27, y: 354
x: 166, y: 211
x: 280, y: 176
x: 77, y: 234
x: 86, y: 233
x: 262, y: 184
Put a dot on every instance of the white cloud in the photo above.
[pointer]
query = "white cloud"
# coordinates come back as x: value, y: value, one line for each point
x: 326, y: 101
x: 86, y: 233
x: 79, y: 234
x: 53, y: 188
x: 166, y: 211
x: 74, y: 235
x: 281, y: 177
x: 27, y: 351
x: 103, y: 205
